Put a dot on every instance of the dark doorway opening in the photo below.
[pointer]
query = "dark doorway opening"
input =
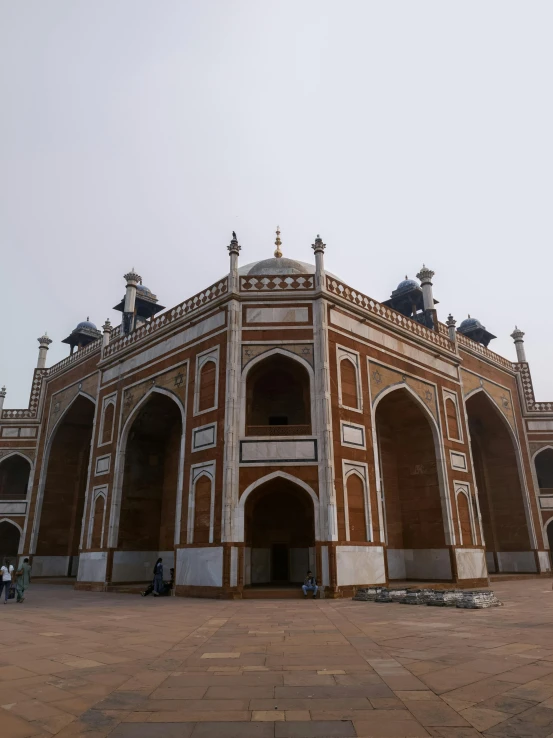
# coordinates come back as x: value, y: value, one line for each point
x: 279, y: 563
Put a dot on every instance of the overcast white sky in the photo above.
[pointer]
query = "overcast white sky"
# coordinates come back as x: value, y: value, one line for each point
x: 141, y: 134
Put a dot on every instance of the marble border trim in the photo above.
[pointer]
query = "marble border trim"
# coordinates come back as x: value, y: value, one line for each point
x: 458, y: 460
x: 99, y: 472
x: 361, y: 428
x: 204, y: 429
x: 276, y: 459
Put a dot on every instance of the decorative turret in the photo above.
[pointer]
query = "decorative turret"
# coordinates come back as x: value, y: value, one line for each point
x: 425, y: 275
x: 518, y: 337
x: 43, y: 343
x: 2, y: 398
x: 408, y: 299
x: 85, y: 333
x: 107, y: 333
x: 139, y: 303
x: 278, y: 244
x: 234, y: 250
x: 473, y: 328
x: 319, y: 249
x: 451, y: 323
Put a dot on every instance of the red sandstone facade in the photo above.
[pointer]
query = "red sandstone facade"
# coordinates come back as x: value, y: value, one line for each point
x: 275, y: 422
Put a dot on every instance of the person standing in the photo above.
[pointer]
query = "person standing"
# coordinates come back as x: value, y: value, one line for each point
x: 7, y: 572
x: 23, y: 579
x: 158, y: 577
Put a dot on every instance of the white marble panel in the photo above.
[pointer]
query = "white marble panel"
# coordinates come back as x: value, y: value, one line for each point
x: 92, y: 567
x: 256, y: 451
x: 247, y: 565
x: 27, y: 433
x: 516, y: 561
x: 200, y: 567
x: 490, y: 562
x: 277, y: 315
x: 540, y: 425
x: 396, y: 563
x: 458, y: 460
x: 544, y: 560
x: 352, y: 435
x: 471, y: 563
x: 299, y: 564
x: 204, y: 437
x: 75, y: 565
x: 546, y: 503
x: 50, y: 566
x: 170, y: 344
x: 13, y: 508
x: 360, y: 565
x: 10, y: 432
x: 233, y: 567
x: 261, y: 565
x: 103, y: 464
x: 138, y: 566
x: 325, y: 574
x: 393, y: 344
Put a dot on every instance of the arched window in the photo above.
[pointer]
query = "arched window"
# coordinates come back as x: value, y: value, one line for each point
x: 98, y: 522
x: 14, y: 477
x: 9, y: 540
x: 355, y: 490
x: 465, y: 528
x: 348, y: 384
x: 107, y: 425
x: 452, y: 419
x: 278, y: 398
x: 544, y: 471
x: 202, y: 510
x: 207, y: 380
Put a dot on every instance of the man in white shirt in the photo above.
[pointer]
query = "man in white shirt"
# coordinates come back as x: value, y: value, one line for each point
x: 7, y: 573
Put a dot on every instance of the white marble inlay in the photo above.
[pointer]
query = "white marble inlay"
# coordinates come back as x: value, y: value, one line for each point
x: 540, y: 425
x: 546, y: 503
x: 50, y: 566
x: 200, y: 567
x: 458, y: 460
x: 352, y: 435
x: 103, y: 464
x: 13, y: 508
x: 170, y: 344
x: 360, y: 565
x: 233, y: 567
x: 27, y: 433
x: 545, y: 563
x: 204, y: 437
x: 277, y: 450
x: 10, y: 432
x: 391, y: 343
x: 277, y: 315
x: 419, y: 563
x: 471, y: 563
x: 516, y: 561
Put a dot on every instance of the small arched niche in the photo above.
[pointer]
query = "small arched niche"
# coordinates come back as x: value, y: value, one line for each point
x: 278, y: 400
x: 14, y: 477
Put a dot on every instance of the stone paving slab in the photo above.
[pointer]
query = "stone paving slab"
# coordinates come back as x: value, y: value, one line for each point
x: 97, y: 665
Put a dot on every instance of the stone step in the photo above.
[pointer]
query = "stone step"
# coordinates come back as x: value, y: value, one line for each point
x: 255, y: 593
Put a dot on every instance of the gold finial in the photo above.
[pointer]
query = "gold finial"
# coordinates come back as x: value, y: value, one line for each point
x: 278, y: 244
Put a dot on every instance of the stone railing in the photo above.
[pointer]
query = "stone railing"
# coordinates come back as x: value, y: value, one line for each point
x: 75, y: 357
x: 388, y: 314
x: 478, y: 348
x: 528, y: 389
x: 185, y: 309
x: 32, y: 411
x: 277, y: 283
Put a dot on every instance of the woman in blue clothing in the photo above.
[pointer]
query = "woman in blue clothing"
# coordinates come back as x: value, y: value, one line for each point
x: 158, y: 577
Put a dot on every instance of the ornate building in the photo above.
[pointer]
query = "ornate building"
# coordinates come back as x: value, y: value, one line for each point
x: 279, y: 420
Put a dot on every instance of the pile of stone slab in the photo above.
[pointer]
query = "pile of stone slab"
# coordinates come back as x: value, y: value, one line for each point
x: 468, y: 599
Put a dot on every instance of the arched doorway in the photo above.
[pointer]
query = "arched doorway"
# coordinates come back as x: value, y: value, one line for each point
x: 278, y: 400
x: 9, y: 541
x: 544, y: 470
x: 410, y: 480
x: 550, y: 535
x: 59, y: 534
x: 151, y: 466
x: 279, y: 533
x: 14, y: 477
x: 500, y: 492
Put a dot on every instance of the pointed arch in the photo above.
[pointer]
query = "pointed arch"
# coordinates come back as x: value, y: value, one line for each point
x: 447, y: 513
x: 12, y: 522
x: 239, y: 510
x: 115, y: 509
x: 58, y: 422
x: 16, y: 473
x: 11, y: 539
x: 356, y: 516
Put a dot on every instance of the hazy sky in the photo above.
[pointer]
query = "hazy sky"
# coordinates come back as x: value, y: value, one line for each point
x: 141, y: 134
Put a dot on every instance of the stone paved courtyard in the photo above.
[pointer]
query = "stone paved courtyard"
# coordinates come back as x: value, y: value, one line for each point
x: 79, y: 663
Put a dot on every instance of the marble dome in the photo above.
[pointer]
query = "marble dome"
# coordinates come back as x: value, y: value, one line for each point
x: 276, y: 265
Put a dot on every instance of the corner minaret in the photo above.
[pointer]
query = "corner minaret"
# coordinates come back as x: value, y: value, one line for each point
x: 451, y: 323
x: 518, y: 337
x: 133, y: 280
x: 425, y: 276
x: 43, y: 343
x: 319, y: 249
x: 106, y: 328
x: 2, y: 398
x: 234, y: 251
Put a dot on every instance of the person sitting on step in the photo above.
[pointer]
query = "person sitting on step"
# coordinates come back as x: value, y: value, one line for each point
x: 310, y: 585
